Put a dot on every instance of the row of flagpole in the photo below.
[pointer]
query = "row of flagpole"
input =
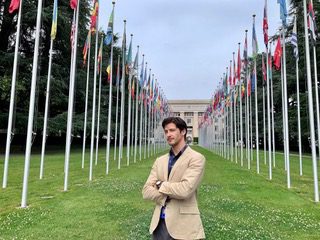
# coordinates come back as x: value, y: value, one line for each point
x: 218, y: 118
x: 143, y: 91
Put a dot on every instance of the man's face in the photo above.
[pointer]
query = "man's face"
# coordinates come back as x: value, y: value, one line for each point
x: 173, y: 134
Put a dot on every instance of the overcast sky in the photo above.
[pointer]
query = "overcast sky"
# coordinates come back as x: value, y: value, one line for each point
x: 188, y: 44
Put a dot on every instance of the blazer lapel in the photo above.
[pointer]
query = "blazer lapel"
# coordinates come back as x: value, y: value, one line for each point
x: 165, y: 167
x: 178, y: 162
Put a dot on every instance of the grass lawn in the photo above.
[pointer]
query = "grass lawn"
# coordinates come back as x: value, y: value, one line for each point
x: 235, y: 203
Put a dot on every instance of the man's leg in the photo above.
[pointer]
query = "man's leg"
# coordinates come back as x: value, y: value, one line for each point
x: 161, y: 232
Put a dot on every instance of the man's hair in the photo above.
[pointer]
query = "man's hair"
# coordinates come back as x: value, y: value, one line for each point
x: 179, y: 122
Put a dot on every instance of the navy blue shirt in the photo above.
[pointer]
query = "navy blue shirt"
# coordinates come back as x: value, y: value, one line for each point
x: 172, y: 160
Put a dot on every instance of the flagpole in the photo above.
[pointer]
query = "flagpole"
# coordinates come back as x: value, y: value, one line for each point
x: 250, y: 118
x: 136, y: 115
x: 86, y: 104
x: 141, y: 109
x: 247, y: 118
x: 272, y: 117
x: 234, y: 110
x: 45, y: 120
x: 129, y: 112
x: 231, y: 113
x: 93, y: 119
x: 10, y: 134
x: 241, y: 125
x: 123, y: 79
x: 268, y: 117
x: 117, y: 106
x: 257, y: 116
x: 286, y: 109
x: 31, y: 107
x: 99, y: 103
x: 110, y: 99
x: 310, y: 105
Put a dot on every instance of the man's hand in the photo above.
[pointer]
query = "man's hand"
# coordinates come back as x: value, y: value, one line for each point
x: 158, y: 184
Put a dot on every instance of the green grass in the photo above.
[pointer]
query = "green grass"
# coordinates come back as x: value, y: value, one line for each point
x: 235, y: 203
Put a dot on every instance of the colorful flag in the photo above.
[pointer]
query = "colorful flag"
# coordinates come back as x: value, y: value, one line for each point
x: 141, y: 73
x: 294, y: 39
x: 239, y: 65
x: 73, y: 4
x: 230, y: 76
x: 283, y: 12
x: 234, y: 72
x: 265, y: 24
x: 264, y: 71
x: 73, y: 30
x: 54, y: 20
x: 270, y: 64
x: 312, y: 24
x: 245, y: 52
x: 86, y: 47
x: 249, y: 85
x: 129, y: 58
x: 133, y: 88
x: 277, y: 55
x: 253, y: 80
x: 100, y: 56
x: 108, y: 70
x: 94, y: 15
x: 255, y: 47
x: 14, y: 5
x: 109, y: 36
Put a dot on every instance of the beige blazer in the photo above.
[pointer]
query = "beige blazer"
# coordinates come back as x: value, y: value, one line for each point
x: 182, y: 213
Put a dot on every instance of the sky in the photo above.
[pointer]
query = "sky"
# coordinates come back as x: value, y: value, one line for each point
x: 188, y: 44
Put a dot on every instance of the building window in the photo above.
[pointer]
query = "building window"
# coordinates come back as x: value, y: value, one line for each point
x: 176, y: 114
x: 200, y: 114
x: 188, y: 114
x: 188, y: 121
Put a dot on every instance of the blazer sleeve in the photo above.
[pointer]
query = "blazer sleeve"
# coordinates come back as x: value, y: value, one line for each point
x: 189, y: 181
x: 150, y: 191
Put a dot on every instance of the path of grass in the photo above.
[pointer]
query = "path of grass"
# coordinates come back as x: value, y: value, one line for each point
x: 235, y: 203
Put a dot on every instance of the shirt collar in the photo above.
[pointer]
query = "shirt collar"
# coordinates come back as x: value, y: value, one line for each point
x: 171, y: 153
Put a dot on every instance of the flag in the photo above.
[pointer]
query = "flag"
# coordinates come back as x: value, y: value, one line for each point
x: 54, y: 20
x: 14, y: 5
x: 312, y: 24
x: 294, y: 39
x: 283, y: 12
x: 234, y: 72
x: 245, y: 52
x: 265, y: 24
x: 129, y: 57
x: 86, y: 47
x: 253, y: 80
x: 100, y: 56
x: 239, y: 65
x: 270, y: 64
x: 249, y: 85
x: 109, y: 36
x: 141, y: 73
x: 73, y: 30
x: 94, y: 15
x: 132, y: 88
x: 264, y: 72
x: 230, y: 76
x: 243, y: 89
x: 108, y: 70
x: 255, y: 47
x: 73, y: 4
x: 277, y: 55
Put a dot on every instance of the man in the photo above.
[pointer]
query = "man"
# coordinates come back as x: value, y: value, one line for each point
x: 172, y: 185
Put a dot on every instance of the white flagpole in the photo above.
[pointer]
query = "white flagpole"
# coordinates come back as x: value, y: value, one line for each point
x: 272, y: 119
x: 132, y: 120
x: 231, y: 114
x: 234, y: 112
x: 310, y: 105
x: 99, y: 105
x: 86, y: 105
x: 241, y: 124
x: 123, y: 79
x: 286, y: 109
x: 31, y: 108
x: 10, y: 134
x: 137, y: 111
x: 129, y: 112
x: 110, y: 100
x: 298, y: 110
x: 93, y: 119
x: 45, y: 120
x: 264, y: 123
x: 268, y: 119
x: 247, y: 120
x: 117, y: 106
x: 257, y: 116
x: 141, y: 114
x: 250, y: 118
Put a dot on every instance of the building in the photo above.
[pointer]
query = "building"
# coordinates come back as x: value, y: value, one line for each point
x: 191, y: 111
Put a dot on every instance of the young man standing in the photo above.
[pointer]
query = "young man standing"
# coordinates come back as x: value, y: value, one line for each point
x: 172, y: 185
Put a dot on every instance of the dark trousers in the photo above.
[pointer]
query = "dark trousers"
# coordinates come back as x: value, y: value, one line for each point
x: 161, y: 232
